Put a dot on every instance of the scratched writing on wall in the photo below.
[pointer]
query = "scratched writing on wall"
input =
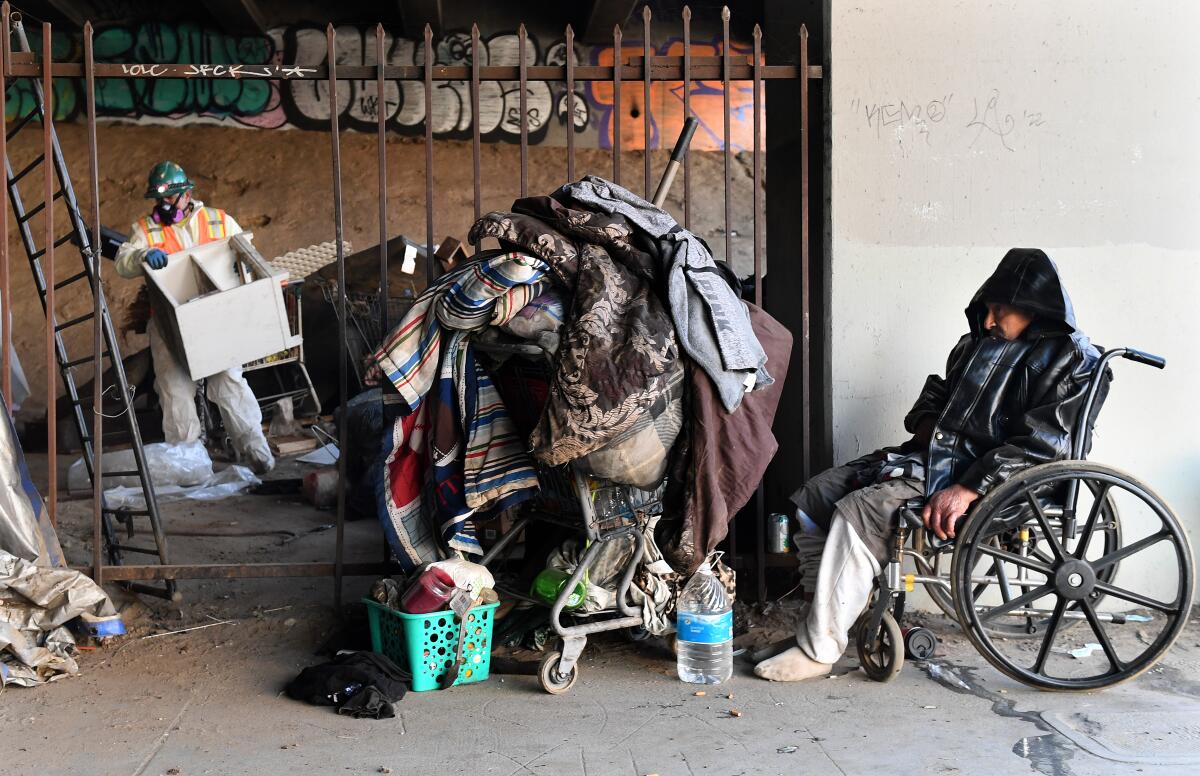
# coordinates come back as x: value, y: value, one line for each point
x: 981, y: 121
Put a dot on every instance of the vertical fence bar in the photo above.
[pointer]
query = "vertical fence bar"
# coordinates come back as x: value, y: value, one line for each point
x: 523, y: 106
x: 381, y: 143
x: 616, y: 114
x: 646, y: 51
x: 430, y: 268
x: 343, y: 381
x: 757, y: 176
x: 725, y: 136
x: 727, y: 186
x: 760, y: 517
x: 475, y: 148
x: 5, y: 296
x: 569, y: 38
x: 89, y: 65
x: 48, y: 265
x: 687, y: 113
x: 805, y: 292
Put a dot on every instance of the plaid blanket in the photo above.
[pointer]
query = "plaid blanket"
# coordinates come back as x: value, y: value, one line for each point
x: 489, y: 291
x: 456, y: 437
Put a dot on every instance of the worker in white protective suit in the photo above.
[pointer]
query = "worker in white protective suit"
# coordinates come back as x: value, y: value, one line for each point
x: 177, y: 222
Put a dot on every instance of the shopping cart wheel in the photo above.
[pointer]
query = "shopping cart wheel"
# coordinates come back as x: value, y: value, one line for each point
x: 636, y: 634
x: 550, y: 679
x: 881, y: 654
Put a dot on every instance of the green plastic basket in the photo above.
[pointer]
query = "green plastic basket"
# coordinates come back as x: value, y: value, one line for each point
x: 425, y: 643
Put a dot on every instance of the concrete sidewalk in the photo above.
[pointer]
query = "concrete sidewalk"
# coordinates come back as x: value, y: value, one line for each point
x: 210, y: 701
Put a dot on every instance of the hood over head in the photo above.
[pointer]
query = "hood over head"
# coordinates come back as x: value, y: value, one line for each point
x: 1028, y: 279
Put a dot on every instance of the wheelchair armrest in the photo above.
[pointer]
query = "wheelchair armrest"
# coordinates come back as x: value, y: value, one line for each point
x: 910, y: 513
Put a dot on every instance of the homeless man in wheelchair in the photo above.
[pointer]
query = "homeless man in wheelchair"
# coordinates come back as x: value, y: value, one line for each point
x: 1013, y: 389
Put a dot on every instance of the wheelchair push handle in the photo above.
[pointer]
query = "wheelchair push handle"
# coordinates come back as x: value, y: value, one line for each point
x: 1142, y: 357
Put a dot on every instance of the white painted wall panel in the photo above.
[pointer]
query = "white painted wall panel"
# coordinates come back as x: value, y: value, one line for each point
x: 960, y: 129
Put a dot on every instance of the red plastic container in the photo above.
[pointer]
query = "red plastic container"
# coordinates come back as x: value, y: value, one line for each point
x: 430, y: 592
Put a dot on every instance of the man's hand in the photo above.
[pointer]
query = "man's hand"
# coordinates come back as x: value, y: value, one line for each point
x: 374, y: 374
x: 945, y: 507
x: 156, y: 258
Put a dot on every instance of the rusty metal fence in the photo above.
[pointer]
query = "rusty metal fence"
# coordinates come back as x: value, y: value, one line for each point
x: 645, y: 69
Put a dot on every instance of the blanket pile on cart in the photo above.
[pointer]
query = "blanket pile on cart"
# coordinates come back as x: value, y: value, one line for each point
x: 637, y: 314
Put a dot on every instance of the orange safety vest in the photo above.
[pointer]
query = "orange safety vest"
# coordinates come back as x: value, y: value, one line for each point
x: 167, y: 239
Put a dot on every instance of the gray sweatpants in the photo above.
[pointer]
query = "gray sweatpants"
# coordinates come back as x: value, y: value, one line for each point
x: 860, y: 523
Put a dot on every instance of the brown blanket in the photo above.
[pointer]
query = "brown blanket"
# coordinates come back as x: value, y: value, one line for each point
x: 727, y: 453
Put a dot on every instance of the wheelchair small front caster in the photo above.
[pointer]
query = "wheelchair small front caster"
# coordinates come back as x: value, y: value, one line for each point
x: 881, y: 654
x: 920, y: 643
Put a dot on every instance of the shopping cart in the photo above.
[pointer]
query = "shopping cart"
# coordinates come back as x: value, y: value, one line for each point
x: 602, y: 511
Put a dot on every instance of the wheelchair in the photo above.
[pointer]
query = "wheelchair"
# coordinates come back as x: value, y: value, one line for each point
x: 1033, y: 562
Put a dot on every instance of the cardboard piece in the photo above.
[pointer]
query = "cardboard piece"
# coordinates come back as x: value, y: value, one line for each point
x: 220, y: 305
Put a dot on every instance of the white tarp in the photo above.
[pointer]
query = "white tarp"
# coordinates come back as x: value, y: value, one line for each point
x: 38, y: 595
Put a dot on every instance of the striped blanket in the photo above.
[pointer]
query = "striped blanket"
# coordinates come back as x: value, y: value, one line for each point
x: 489, y: 291
x: 456, y: 435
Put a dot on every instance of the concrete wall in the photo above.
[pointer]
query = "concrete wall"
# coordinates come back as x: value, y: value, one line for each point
x: 960, y: 129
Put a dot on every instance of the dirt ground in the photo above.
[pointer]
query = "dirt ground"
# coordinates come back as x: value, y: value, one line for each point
x: 278, y: 185
x: 210, y: 701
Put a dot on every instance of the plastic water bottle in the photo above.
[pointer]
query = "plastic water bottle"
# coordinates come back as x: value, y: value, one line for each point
x: 704, y: 625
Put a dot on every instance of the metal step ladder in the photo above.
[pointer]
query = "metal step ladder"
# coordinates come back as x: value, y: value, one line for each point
x: 134, y: 521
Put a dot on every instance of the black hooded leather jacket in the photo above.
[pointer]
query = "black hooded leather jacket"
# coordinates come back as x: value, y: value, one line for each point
x: 1007, y: 405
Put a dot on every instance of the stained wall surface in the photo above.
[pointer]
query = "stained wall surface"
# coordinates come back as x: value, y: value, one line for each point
x: 961, y: 129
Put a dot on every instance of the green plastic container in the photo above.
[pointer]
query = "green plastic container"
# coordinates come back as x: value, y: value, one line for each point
x: 425, y: 643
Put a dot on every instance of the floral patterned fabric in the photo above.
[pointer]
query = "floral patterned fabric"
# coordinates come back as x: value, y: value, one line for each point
x: 619, y: 357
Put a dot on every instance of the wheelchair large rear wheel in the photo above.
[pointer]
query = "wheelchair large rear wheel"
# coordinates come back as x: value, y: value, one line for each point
x: 1145, y: 609
x: 993, y: 576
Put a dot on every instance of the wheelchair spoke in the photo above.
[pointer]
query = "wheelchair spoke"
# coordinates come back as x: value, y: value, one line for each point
x: 1055, y: 546
x: 1136, y: 598
x: 1016, y: 603
x: 1017, y: 560
x: 1051, y: 632
x: 1136, y: 547
x: 1093, y: 518
x: 1002, y: 576
x: 1110, y: 651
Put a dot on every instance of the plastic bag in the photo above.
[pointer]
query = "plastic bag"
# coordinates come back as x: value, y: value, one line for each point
x: 467, y: 575
x: 223, y: 484
x: 183, y: 465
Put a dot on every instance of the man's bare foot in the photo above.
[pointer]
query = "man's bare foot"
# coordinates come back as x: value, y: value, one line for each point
x: 791, y: 666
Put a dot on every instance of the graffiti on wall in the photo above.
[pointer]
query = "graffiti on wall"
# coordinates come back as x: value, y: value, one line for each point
x: 272, y: 103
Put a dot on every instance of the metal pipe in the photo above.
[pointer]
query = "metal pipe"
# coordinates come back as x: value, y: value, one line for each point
x: 728, y: 152
x: 687, y: 112
x: 617, y: 116
x: 569, y: 38
x: 523, y: 106
x: 475, y: 149
x: 343, y: 378
x: 48, y: 264
x: 234, y: 571
x: 381, y: 142
x: 5, y: 287
x: 806, y: 420
x: 89, y: 62
x: 665, y: 68
x: 430, y: 268
x: 646, y: 52
x: 381, y: 145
